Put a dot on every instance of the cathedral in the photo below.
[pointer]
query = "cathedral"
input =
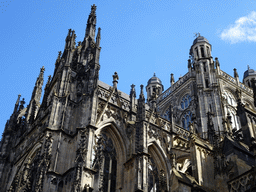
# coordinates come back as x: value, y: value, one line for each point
x: 198, y: 135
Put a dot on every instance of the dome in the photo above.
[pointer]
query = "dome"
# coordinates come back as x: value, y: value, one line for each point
x: 200, y: 39
x: 154, y: 80
x: 249, y: 72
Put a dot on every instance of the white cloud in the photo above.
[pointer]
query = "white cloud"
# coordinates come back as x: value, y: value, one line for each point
x: 244, y: 29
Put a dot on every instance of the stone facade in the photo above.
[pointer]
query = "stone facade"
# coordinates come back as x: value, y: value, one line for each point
x: 198, y: 135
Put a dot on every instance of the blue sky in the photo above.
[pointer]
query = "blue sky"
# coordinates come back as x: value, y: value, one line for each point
x: 138, y: 38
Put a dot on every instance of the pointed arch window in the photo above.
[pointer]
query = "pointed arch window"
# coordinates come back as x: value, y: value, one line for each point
x: 230, y: 109
x: 186, y: 120
x: 166, y: 115
x: 153, y: 180
x: 106, y: 163
x: 185, y: 101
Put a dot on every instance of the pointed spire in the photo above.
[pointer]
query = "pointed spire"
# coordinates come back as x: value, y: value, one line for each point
x: 41, y: 76
x: 98, y: 38
x: 70, y: 40
x: 48, y: 81
x: 17, y: 104
x: 142, y: 97
x: 36, y: 95
x: 91, y: 23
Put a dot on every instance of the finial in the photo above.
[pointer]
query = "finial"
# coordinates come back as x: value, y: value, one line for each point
x: 42, y: 70
x: 115, y: 78
x: 197, y: 35
x: 172, y: 79
x: 141, y: 92
x: 133, y: 92
x: 69, y: 32
x: 93, y: 9
x: 49, y: 79
x: 18, y: 100
x: 248, y: 67
x: 22, y: 103
x: 59, y: 54
x: 154, y: 74
x: 235, y: 73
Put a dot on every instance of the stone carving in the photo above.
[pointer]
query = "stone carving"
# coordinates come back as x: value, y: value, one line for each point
x: 80, y: 159
x: 105, y: 162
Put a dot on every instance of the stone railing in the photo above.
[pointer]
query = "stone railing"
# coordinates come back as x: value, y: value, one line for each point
x: 227, y: 76
x: 233, y: 80
x: 181, y: 131
x: 173, y: 87
x: 244, y: 182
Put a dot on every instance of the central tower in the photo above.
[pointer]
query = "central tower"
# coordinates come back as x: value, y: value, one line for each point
x: 206, y: 84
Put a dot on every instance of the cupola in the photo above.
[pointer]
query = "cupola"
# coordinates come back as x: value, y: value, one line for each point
x: 154, y: 88
x: 201, y: 48
x: 249, y: 74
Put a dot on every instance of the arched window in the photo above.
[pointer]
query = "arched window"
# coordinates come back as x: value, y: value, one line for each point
x: 230, y: 107
x: 186, y: 120
x: 153, y: 180
x: 185, y: 101
x: 166, y: 114
x: 106, y: 163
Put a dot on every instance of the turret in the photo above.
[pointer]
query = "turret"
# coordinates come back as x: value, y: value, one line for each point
x: 154, y: 88
x: 249, y: 74
x: 201, y: 48
x: 206, y: 83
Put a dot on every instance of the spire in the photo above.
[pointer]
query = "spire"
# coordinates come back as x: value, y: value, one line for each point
x: 91, y: 23
x: 141, y: 112
x: 132, y: 92
x: 36, y: 95
x: 141, y: 93
x: 98, y: 37
x: 17, y: 104
x: 57, y: 63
